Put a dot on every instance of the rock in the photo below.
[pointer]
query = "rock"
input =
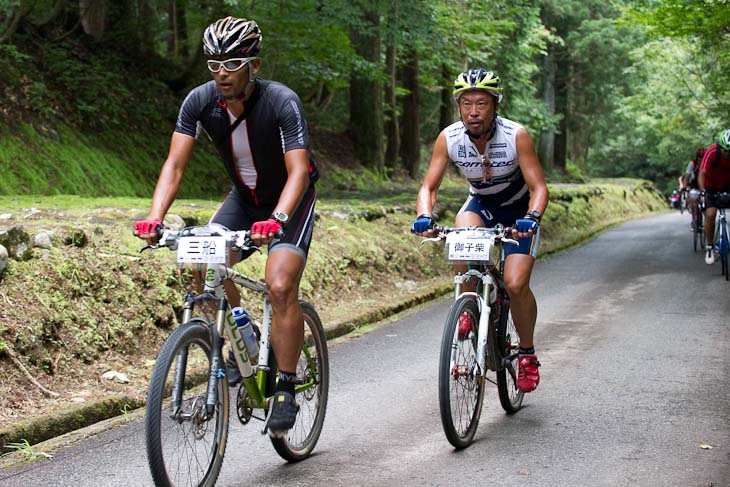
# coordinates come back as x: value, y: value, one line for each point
x: 75, y: 237
x: 6, y: 216
x: 3, y: 258
x: 174, y: 222
x: 115, y: 376
x: 42, y: 240
x: 33, y: 213
x: 17, y: 242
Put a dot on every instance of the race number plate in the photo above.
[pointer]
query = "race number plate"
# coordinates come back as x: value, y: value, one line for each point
x: 206, y: 250
x: 469, y: 246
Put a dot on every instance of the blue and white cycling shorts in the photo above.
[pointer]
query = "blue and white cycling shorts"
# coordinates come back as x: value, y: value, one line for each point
x: 492, y: 214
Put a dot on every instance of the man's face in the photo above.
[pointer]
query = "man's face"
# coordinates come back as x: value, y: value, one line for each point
x: 232, y: 82
x: 477, y: 109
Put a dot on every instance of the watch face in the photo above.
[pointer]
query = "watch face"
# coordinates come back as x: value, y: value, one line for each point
x: 281, y: 217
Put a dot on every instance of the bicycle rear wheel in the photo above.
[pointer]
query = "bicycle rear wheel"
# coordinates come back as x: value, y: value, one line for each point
x: 699, y: 234
x: 510, y: 396
x: 461, y: 389
x: 313, y: 368
x: 185, y: 444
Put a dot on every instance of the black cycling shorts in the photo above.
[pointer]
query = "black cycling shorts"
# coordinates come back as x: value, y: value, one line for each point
x: 717, y: 199
x: 235, y: 214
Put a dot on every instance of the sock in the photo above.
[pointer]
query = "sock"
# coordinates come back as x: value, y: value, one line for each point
x: 286, y: 382
x: 527, y: 351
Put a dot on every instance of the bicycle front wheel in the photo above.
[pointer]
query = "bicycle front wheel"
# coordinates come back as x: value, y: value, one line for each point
x: 510, y: 396
x: 724, y: 250
x: 185, y: 443
x: 313, y: 377
x: 461, y: 385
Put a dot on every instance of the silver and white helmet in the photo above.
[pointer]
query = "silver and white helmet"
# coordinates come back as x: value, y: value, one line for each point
x: 232, y: 36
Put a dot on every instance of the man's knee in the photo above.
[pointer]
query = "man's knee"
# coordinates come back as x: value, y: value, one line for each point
x: 281, y: 288
x: 517, y: 286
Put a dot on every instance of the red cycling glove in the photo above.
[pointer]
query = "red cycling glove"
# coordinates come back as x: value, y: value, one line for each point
x: 266, y: 227
x: 146, y: 226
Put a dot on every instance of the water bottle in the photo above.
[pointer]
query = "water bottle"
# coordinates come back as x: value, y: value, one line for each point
x: 243, y: 321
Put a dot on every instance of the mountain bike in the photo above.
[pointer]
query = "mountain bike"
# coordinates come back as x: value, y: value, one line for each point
x: 491, y: 344
x: 186, y: 426
x: 722, y: 242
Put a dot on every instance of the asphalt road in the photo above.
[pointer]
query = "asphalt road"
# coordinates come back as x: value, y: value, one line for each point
x: 634, y: 340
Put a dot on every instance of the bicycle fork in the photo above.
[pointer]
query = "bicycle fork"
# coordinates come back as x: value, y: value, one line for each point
x: 488, y: 296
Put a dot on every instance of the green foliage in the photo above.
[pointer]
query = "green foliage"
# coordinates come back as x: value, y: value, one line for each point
x: 25, y: 449
x: 659, y: 126
x: 65, y: 161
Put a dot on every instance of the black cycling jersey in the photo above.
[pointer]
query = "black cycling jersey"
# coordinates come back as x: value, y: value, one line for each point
x: 274, y: 122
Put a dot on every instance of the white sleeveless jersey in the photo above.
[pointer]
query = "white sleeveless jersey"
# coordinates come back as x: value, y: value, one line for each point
x: 505, y: 184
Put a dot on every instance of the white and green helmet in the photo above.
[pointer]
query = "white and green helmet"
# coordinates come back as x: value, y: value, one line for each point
x: 478, y: 79
x: 723, y: 139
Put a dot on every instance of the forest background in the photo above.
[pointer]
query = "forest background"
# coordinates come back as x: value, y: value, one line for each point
x: 89, y: 89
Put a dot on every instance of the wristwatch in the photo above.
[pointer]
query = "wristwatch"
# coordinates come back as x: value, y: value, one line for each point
x: 280, y: 217
x: 534, y: 215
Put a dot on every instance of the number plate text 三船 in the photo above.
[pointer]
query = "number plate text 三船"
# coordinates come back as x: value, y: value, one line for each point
x: 207, y: 250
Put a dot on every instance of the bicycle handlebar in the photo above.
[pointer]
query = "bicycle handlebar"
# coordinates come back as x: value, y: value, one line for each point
x: 238, y: 239
x: 499, y: 231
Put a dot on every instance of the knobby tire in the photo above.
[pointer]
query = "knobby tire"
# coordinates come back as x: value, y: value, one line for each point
x: 302, y: 438
x: 185, y: 452
x: 510, y: 396
x: 461, y: 390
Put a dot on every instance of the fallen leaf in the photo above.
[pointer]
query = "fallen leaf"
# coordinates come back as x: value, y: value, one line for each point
x: 706, y: 447
x: 524, y: 471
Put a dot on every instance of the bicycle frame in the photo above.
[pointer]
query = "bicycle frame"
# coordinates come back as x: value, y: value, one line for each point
x: 490, y: 275
x: 485, y: 336
x: 254, y: 376
x: 721, y: 235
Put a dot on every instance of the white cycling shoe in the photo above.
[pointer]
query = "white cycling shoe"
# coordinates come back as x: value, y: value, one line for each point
x: 709, y: 255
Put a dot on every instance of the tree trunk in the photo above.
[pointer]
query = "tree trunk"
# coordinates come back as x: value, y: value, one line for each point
x: 447, y: 99
x: 561, y: 146
x: 411, y: 140
x: 178, y: 36
x: 546, y: 151
x: 93, y: 17
x: 146, y: 32
x: 366, y: 95
x: 392, y: 134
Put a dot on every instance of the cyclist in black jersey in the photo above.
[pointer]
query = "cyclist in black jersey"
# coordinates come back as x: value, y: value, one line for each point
x: 260, y: 132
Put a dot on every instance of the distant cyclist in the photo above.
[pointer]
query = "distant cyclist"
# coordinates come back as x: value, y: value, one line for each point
x: 261, y: 135
x: 714, y: 178
x: 506, y: 185
x: 689, y: 183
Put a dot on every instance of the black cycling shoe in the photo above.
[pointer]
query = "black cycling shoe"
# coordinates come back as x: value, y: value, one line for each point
x: 233, y: 375
x: 282, y: 415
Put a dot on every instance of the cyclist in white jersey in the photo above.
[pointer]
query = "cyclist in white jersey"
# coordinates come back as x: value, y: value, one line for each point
x: 506, y: 185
